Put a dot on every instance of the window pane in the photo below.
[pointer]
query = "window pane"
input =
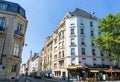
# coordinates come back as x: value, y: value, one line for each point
x: 72, y: 51
x: 72, y: 31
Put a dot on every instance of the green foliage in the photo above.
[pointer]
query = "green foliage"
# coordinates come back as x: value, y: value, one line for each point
x: 110, y: 38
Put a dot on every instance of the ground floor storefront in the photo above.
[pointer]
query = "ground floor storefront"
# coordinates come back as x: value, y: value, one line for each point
x: 77, y: 73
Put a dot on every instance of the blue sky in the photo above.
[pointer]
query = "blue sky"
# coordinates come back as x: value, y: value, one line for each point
x: 45, y: 15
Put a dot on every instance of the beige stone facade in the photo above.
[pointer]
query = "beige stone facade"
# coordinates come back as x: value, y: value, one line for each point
x: 11, y: 44
x: 53, y: 53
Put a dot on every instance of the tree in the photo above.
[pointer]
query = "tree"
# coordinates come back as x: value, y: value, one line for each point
x: 109, y: 40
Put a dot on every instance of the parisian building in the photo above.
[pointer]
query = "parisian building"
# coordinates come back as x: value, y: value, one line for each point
x: 72, y: 44
x: 13, y: 25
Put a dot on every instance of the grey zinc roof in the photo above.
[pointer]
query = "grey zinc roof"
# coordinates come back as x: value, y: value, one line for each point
x: 13, y: 7
x: 80, y: 12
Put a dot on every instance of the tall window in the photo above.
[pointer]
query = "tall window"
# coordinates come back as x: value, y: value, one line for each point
x: 16, y: 49
x: 62, y: 44
x: 14, y: 68
x: 55, y: 66
x: 72, y: 61
x: 72, y: 51
x: 19, y: 28
x: 82, y: 31
x: 101, y: 53
x: 92, y: 43
x: 83, y: 51
x: 62, y: 53
x: 62, y: 34
x: 92, y: 33
x: 3, y: 6
x: 22, y: 12
x: 72, y: 31
x: 2, y: 23
x: 82, y: 41
x: 72, y: 41
x: 93, y: 52
x: 91, y: 23
x: 59, y: 54
x: 94, y: 61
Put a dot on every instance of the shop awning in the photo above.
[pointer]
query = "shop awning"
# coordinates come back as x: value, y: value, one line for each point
x: 74, y: 67
x: 112, y: 71
x: 94, y: 71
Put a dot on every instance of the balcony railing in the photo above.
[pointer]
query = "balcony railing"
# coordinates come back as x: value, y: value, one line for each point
x: 19, y: 33
x: 2, y: 29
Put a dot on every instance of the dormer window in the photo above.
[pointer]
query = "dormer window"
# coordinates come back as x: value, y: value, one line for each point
x: 22, y: 12
x: 3, y: 6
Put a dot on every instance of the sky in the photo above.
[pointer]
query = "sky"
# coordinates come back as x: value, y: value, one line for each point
x: 44, y: 16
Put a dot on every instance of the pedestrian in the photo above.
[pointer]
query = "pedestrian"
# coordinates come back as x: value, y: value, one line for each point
x: 104, y: 77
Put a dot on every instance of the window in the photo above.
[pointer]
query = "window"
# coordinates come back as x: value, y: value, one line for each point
x: 55, y: 40
x: 72, y: 51
x: 101, y: 53
x: 20, y: 28
x: 72, y: 61
x: 62, y: 53
x: 82, y: 31
x: 81, y: 22
x: 59, y: 36
x: 99, y: 33
x: 92, y: 43
x: 3, y: 6
x: 91, y: 23
x: 22, y: 12
x: 93, y: 52
x: 83, y: 51
x: 16, y: 49
x: 55, y: 56
x: 109, y: 54
x: 14, y: 68
x: 72, y: 41
x: 72, y: 31
x: 59, y: 54
x: 62, y: 34
x: 62, y: 44
x: 55, y: 66
x: 82, y: 41
x: 72, y: 24
x: 55, y: 48
x: 2, y: 23
x: 94, y: 61
x: 92, y: 33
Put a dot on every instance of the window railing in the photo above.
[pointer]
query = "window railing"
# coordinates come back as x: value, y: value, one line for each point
x: 19, y: 33
x: 2, y: 29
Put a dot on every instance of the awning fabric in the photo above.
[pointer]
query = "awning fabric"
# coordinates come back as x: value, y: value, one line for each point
x: 95, y: 71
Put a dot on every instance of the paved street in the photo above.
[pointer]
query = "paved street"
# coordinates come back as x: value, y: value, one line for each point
x: 31, y: 79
